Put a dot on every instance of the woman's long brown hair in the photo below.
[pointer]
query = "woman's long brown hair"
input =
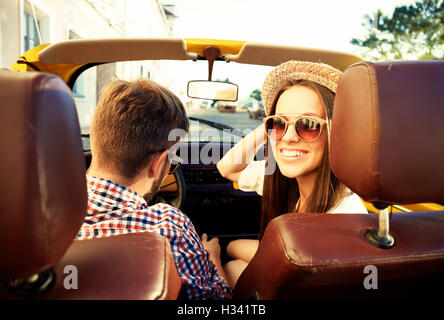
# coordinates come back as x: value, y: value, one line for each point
x: 280, y: 194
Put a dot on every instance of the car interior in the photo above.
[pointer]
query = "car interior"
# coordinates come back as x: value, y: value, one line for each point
x: 386, y: 147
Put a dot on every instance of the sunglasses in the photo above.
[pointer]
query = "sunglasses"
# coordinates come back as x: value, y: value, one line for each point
x: 307, y: 128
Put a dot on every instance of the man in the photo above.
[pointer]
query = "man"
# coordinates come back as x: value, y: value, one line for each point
x: 130, y: 158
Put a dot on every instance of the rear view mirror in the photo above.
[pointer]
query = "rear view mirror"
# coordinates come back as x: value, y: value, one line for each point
x: 212, y: 90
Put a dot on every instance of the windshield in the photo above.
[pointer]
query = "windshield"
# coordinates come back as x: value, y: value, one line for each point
x: 244, y: 115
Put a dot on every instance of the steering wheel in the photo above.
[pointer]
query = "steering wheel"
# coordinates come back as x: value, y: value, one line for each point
x: 172, y: 190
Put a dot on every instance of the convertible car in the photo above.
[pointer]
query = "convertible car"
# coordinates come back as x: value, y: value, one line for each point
x: 388, y: 149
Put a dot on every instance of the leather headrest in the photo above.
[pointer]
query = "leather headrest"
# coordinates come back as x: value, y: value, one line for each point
x: 387, y: 137
x: 42, y: 172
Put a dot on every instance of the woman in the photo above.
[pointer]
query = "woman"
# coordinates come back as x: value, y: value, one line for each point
x: 298, y: 99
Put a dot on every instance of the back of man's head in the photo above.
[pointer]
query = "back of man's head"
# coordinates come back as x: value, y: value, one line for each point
x: 131, y: 123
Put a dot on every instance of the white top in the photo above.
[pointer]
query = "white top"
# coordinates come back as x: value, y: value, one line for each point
x: 252, y: 179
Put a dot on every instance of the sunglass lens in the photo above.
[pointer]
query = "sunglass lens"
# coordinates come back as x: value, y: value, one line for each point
x: 275, y: 127
x: 308, y: 129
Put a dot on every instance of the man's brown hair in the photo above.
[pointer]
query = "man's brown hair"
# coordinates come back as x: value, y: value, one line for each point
x: 132, y: 122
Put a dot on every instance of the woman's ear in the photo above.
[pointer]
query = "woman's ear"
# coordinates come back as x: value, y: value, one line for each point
x: 156, y: 166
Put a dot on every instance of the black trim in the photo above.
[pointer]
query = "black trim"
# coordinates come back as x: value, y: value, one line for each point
x: 29, y: 64
x: 79, y: 71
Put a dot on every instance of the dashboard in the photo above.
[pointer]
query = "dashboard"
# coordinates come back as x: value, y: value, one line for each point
x: 212, y: 202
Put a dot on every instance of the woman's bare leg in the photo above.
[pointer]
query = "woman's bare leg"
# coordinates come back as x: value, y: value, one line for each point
x: 243, y: 249
x: 233, y: 269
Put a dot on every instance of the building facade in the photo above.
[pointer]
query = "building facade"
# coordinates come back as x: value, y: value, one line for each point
x: 59, y: 20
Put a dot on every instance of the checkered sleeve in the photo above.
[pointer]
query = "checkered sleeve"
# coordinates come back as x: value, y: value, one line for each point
x: 114, y: 209
x: 199, y: 274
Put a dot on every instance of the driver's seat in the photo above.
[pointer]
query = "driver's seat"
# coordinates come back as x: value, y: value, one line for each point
x: 44, y: 201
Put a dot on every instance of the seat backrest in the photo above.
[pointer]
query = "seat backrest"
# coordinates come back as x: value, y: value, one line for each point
x: 42, y: 173
x: 43, y: 203
x: 387, y: 139
x: 387, y: 145
x: 135, y: 266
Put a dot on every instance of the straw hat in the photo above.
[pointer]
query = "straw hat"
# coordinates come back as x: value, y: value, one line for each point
x: 320, y: 73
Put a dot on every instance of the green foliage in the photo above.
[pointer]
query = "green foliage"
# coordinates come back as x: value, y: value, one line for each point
x: 256, y: 94
x: 415, y: 31
x: 226, y: 80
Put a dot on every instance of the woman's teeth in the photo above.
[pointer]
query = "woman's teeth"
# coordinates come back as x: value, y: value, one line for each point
x: 292, y: 153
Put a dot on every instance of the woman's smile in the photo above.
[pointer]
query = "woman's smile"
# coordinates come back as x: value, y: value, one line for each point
x: 295, y: 157
x: 291, y: 154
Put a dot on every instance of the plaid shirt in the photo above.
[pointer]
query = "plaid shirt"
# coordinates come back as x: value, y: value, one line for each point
x: 114, y: 209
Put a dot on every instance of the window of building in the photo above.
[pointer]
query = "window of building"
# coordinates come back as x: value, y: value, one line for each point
x: 31, y: 34
x: 31, y: 27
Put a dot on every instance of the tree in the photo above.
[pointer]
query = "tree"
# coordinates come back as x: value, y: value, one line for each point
x: 415, y: 31
x: 226, y: 80
x: 256, y: 94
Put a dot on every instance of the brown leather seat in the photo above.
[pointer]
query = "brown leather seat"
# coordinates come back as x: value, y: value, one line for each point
x: 43, y: 203
x: 387, y: 145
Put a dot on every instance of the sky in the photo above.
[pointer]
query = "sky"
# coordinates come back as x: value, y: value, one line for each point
x: 328, y: 24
